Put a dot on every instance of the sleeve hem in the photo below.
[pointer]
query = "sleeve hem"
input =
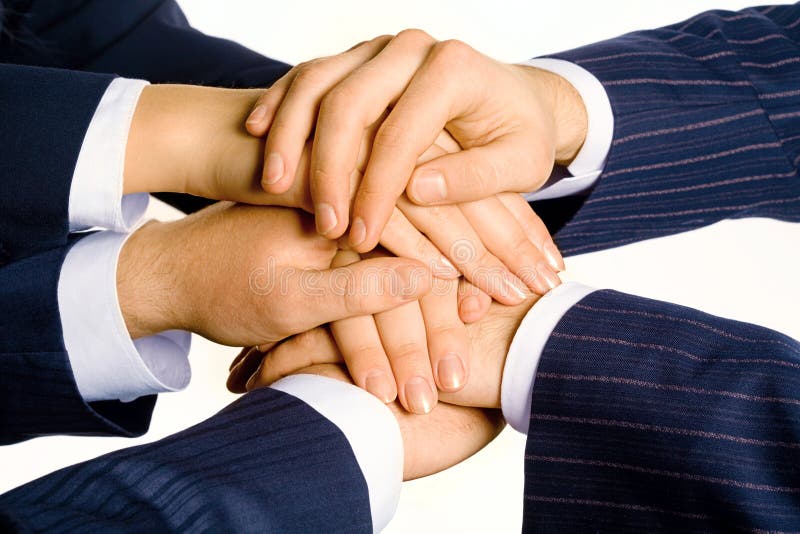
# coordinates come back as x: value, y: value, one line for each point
x: 371, y: 430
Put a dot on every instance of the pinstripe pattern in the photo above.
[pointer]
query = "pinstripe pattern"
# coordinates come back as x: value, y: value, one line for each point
x: 707, y: 127
x: 267, y: 463
x: 669, y: 419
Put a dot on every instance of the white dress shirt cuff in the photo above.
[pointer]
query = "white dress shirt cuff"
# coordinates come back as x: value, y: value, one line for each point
x: 106, y: 363
x: 95, y: 198
x: 371, y: 430
x: 589, y: 163
x: 527, y: 347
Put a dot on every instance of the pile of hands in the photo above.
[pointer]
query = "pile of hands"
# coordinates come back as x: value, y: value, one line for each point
x: 376, y: 233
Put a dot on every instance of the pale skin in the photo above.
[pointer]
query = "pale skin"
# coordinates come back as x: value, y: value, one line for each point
x: 159, y: 287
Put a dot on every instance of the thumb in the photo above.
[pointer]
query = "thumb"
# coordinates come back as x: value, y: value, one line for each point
x: 509, y: 163
x: 362, y: 288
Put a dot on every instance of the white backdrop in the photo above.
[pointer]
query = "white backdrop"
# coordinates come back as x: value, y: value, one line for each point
x: 744, y: 269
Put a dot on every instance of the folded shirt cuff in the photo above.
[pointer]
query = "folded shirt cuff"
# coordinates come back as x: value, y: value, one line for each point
x: 588, y: 164
x: 526, y: 350
x: 370, y: 428
x: 106, y: 363
x: 96, y: 198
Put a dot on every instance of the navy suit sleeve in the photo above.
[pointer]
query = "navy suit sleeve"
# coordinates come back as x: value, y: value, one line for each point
x: 149, y: 39
x: 38, y: 395
x: 649, y: 416
x: 41, y: 138
x: 707, y: 115
x: 267, y: 463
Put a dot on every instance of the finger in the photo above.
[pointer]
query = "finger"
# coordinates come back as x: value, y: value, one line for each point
x: 507, y: 240
x: 435, y: 94
x: 476, y: 173
x: 357, y: 102
x: 534, y: 227
x: 404, y: 240
x: 448, y: 342
x: 364, y: 288
x: 472, y: 302
x: 308, y: 348
x: 360, y: 344
x: 297, y: 114
x: 242, y: 368
x: 451, y: 232
x: 402, y: 332
x: 260, y: 118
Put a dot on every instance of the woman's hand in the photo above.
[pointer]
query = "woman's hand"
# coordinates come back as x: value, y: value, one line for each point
x: 513, y: 121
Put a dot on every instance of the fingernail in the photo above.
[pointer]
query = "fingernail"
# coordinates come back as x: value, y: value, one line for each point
x: 419, y: 395
x: 273, y: 170
x: 429, y: 186
x: 257, y: 115
x: 513, y: 286
x: 550, y: 278
x: 451, y: 371
x: 553, y: 257
x: 358, y: 232
x: 325, y: 217
x: 379, y: 385
x: 445, y: 268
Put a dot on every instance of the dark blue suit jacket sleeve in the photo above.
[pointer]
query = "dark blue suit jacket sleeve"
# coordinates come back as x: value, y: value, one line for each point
x: 267, y: 463
x: 41, y: 139
x: 149, y: 39
x: 707, y: 115
x: 650, y: 416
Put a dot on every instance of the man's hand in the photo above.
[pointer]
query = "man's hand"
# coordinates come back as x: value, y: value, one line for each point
x: 512, y: 121
x: 245, y: 275
x: 489, y: 341
x: 443, y: 438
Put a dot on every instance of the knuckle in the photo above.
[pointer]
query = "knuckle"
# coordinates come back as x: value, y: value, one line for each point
x: 365, y: 353
x: 390, y: 136
x: 310, y: 74
x: 410, y: 351
x: 415, y: 36
x: 422, y: 247
x: 452, y: 51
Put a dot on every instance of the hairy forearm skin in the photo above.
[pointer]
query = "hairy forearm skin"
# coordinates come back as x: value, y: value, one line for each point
x: 183, y: 138
x: 570, y: 120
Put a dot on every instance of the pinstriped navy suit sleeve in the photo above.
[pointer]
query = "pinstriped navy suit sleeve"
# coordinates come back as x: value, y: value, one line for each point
x: 651, y: 416
x: 267, y: 463
x: 707, y: 127
x: 41, y: 142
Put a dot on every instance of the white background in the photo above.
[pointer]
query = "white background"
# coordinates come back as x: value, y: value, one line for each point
x: 743, y: 269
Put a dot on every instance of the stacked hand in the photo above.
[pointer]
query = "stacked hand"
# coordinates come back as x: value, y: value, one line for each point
x: 419, y: 146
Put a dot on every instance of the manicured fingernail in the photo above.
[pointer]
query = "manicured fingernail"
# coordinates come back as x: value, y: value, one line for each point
x: 358, y: 232
x: 549, y: 277
x: 451, y: 372
x: 419, y: 395
x: 445, y: 268
x: 379, y: 385
x: 553, y: 257
x: 514, y: 287
x: 257, y: 115
x: 325, y: 217
x: 429, y: 186
x: 273, y: 168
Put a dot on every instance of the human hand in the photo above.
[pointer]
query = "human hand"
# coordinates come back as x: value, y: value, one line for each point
x: 446, y: 436
x: 513, y: 121
x: 403, y: 353
x: 488, y: 342
x: 245, y: 275
x: 498, y: 243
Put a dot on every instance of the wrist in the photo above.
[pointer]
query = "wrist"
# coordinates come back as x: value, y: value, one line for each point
x: 190, y: 139
x: 147, y: 284
x: 570, y: 119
